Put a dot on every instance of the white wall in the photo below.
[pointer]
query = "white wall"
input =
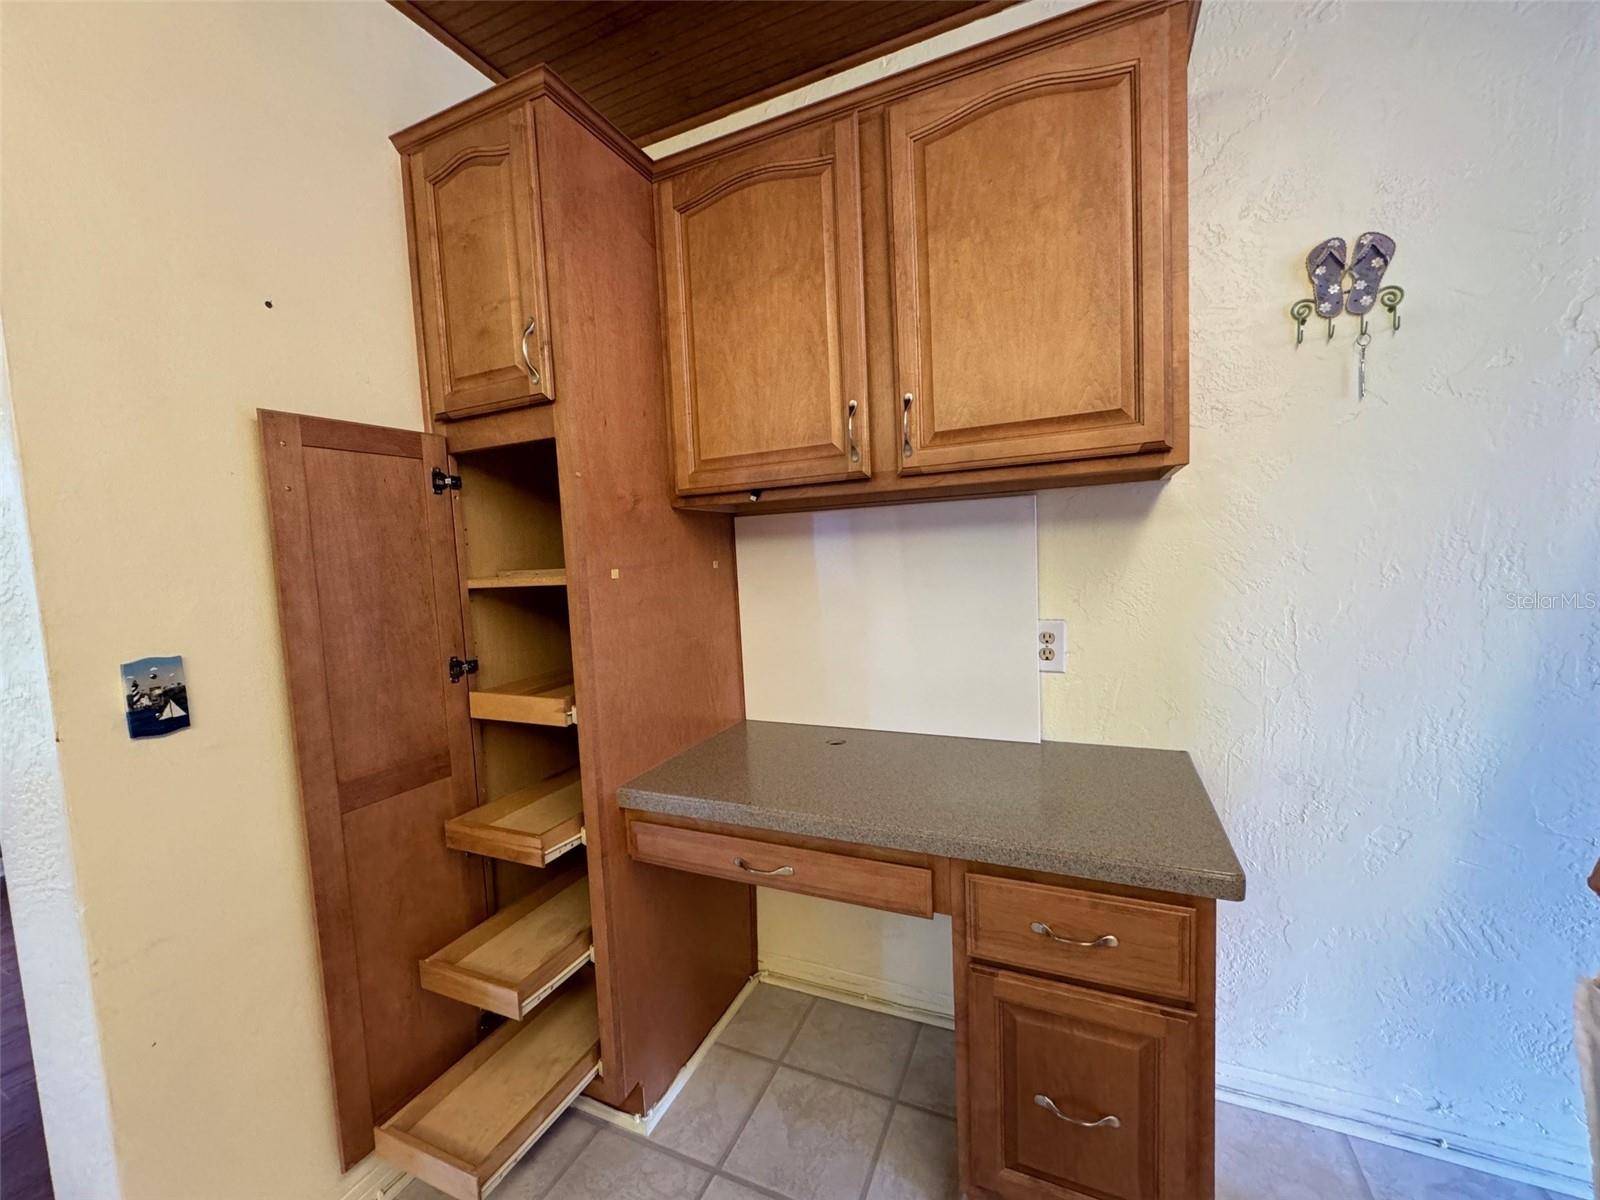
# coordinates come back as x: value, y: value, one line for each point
x: 168, y: 169
x: 918, y: 618
x: 40, y: 882
x: 1316, y: 606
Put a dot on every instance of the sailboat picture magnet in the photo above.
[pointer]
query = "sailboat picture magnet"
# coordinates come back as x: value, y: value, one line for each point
x: 156, y: 695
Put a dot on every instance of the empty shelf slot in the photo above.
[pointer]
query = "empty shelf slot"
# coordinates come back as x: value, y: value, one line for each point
x: 469, y: 1127
x: 520, y: 579
x: 532, y: 826
x: 516, y: 958
x: 538, y: 700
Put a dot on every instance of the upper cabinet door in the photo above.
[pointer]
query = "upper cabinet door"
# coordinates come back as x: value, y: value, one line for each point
x: 766, y: 341
x: 1030, y: 237
x: 479, y: 266
x: 370, y: 605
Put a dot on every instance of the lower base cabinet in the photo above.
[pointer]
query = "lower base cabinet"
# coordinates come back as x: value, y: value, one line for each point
x: 1077, y: 1094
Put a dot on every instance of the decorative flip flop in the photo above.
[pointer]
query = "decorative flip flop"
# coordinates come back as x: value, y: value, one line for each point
x: 1374, y: 251
x: 1325, y: 268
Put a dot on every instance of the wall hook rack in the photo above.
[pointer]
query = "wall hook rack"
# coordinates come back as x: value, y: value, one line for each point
x: 1342, y: 282
x: 1349, y: 283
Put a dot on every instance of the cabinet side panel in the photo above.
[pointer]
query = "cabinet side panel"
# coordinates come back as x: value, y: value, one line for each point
x: 653, y: 604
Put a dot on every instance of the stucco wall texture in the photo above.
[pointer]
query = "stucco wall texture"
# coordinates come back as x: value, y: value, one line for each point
x: 1323, y: 607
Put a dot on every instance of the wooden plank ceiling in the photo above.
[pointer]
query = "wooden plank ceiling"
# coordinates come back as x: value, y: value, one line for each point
x: 657, y: 67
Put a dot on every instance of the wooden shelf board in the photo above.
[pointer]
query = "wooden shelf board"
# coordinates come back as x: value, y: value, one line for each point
x: 532, y: 826
x: 556, y: 577
x: 538, y: 700
x: 465, y: 1130
x: 516, y: 958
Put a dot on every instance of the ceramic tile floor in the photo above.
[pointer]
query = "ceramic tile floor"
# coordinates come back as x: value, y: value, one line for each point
x: 806, y: 1099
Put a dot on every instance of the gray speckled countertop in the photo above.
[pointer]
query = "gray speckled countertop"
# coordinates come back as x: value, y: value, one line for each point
x: 1112, y: 813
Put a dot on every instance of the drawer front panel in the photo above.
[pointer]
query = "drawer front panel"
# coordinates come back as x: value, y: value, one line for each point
x: 1134, y: 945
x: 875, y: 884
x: 1078, y: 1095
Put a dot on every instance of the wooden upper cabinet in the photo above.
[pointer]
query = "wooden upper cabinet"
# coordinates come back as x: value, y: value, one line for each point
x: 479, y: 270
x: 766, y: 345
x: 1029, y: 217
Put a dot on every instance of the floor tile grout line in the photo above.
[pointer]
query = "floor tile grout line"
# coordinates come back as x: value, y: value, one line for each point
x: 934, y: 1112
x: 894, y: 1102
x: 594, y: 1132
x: 1361, y: 1171
x: 794, y: 1034
x: 877, y: 1153
x: 745, y: 1121
x: 644, y: 1140
x: 759, y: 1188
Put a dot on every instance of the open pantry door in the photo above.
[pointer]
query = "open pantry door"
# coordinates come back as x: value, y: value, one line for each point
x: 370, y: 604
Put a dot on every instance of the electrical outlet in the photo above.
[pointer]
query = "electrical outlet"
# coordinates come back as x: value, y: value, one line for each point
x: 1052, y: 647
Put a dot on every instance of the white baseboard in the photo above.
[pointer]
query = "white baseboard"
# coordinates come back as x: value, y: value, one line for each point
x: 645, y: 1124
x: 1360, y: 1116
x: 1312, y: 1104
x: 864, y: 991
x: 378, y: 1181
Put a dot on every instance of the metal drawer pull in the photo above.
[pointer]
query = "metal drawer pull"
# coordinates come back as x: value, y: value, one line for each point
x: 905, y: 425
x: 533, y: 371
x: 1108, y: 941
x: 744, y: 866
x: 850, y: 432
x: 1049, y: 1106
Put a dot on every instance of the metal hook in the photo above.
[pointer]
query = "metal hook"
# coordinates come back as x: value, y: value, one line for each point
x: 1390, y: 298
x: 1301, y: 311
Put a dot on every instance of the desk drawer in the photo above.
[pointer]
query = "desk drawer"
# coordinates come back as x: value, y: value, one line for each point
x: 1073, y: 1094
x: 1133, y: 945
x: 865, y: 881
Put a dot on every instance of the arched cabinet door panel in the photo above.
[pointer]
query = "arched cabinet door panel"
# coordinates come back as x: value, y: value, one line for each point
x: 485, y: 326
x: 1029, y: 227
x: 766, y: 345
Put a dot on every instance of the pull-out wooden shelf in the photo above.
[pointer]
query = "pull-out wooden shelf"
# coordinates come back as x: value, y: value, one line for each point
x: 516, y: 958
x: 470, y: 1126
x: 556, y: 577
x: 532, y: 826
x: 537, y: 700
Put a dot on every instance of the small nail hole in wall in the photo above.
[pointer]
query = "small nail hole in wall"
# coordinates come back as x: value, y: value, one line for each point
x: 269, y: 303
x: 835, y: 741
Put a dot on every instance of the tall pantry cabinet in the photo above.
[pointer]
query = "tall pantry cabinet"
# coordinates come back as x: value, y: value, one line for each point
x: 487, y: 627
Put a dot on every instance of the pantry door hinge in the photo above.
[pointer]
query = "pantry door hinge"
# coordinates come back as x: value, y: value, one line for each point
x: 443, y: 482
x: 462, y: 666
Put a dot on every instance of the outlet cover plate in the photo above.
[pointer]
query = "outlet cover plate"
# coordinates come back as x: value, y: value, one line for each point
x: 1051, y: 647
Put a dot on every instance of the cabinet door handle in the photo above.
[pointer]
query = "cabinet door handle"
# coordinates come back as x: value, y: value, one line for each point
x: 1049, y: 1105
x: 850, y: 432
x: 905, y: 425
x: 744, y: 866
x: 1105, y: 941
x: 533, y: 371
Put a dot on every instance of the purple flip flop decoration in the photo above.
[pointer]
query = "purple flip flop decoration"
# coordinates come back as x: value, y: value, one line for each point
x: 1325, y: 268
x: 1374, y: 252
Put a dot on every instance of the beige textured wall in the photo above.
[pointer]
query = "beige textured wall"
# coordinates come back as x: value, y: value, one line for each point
x: 168, y: 168
x: 1320, y: 608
